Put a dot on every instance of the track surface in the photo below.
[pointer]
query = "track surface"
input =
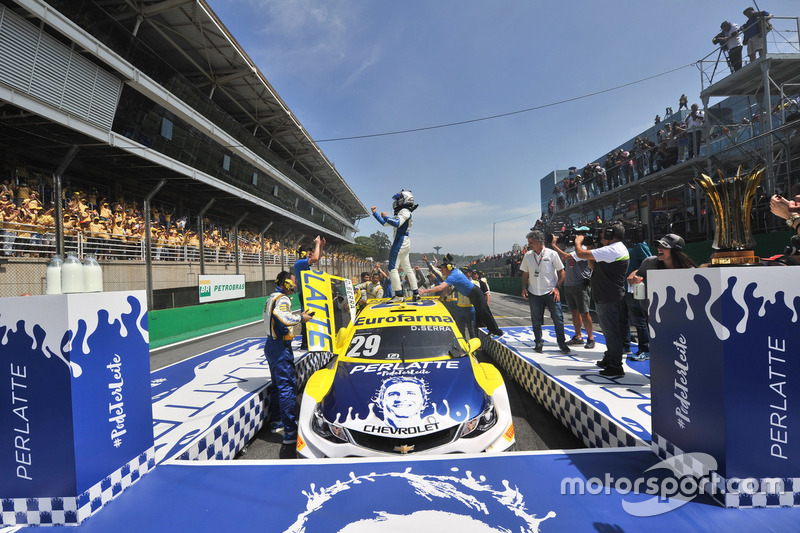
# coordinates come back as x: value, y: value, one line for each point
x: 535, y: 427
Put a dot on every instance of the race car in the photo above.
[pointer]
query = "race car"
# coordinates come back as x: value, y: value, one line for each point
x: 403, y: 380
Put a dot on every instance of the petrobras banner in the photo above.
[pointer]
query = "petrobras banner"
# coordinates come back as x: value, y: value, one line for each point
x: 725, y: 366
x: 218, y: 288
x: 333, y: 302
x: 74, y: 390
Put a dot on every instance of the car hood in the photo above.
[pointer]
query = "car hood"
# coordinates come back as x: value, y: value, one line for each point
x: 402, y: 399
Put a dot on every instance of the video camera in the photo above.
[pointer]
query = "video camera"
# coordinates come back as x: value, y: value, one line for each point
x: 567, y: 237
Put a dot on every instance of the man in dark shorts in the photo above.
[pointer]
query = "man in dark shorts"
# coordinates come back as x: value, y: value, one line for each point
x: 578, y: 274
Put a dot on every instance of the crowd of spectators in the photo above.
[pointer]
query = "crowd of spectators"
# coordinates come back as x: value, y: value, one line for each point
x: 676, y: 141
x: 114, y: 229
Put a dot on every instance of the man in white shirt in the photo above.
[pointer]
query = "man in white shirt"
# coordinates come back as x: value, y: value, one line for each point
x: 542, y: 273
x: 609, y: 287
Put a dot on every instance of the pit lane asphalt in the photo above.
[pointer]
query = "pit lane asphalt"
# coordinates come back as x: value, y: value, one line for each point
x: 535, y: 427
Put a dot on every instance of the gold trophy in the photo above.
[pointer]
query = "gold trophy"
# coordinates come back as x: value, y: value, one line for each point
x: 731, y: 199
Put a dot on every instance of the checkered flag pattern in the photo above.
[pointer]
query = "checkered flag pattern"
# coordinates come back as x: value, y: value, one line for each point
x: 71, y: 510
x: 593, y: 427
x: 231, y: 434
x: 749, y: 493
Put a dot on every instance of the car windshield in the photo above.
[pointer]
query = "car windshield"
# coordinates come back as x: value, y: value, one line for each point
x: 404, y: 342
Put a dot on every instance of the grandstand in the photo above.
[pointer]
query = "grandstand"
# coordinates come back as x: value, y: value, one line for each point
x: 158, y: 110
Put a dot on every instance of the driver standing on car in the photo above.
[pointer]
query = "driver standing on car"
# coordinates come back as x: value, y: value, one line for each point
x: 282, y: 326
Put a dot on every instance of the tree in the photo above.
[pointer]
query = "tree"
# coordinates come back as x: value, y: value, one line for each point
x: 383, y: 245
x: 365, y: 247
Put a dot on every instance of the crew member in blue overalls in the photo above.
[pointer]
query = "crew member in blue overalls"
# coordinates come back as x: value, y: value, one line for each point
x: 403, y: 206
x: 282, y: 326
x: 456, y: 278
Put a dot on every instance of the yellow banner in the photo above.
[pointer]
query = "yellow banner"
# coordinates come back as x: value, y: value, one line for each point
x: 333, y: 303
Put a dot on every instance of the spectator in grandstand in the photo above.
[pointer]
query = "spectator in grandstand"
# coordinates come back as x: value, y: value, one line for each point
x: 47, y: 224
x: 6, y: 189
x: 683, y: 101
x: 577, y: 276
x: 657, y: 120
x: 730, y: 41
x: 583, y: 193
x: 23, y: 192
x: 625, y: 161
x: 667, y: 112
x: 753, y: 35
x: 694, y: 128
x: 542, y: 273
x: 612, y: 170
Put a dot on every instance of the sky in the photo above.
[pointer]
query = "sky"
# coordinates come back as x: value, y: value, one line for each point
x: 349, y: 68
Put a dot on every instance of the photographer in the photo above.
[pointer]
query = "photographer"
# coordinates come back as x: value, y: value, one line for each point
x: 608, y: 289
x: 730, y: 41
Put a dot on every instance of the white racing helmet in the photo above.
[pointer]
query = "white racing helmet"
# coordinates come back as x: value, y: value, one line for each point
x: 402, y: 199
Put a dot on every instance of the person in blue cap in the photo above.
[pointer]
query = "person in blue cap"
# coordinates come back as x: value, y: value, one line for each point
x: 455, y: 278
x: 403, y: 204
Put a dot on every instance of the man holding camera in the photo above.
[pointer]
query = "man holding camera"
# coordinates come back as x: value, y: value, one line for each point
x: 542, y: 273
x: 608, y: 289
x: 730, y: 41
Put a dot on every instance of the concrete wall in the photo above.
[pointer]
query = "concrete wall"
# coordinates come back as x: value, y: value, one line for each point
x: 27, y: 275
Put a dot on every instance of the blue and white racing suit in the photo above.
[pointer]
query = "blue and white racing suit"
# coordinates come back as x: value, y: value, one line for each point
x: 282, y: 326
x: 398, y: 255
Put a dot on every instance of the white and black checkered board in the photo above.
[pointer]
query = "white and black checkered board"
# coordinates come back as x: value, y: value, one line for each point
x: 232, y: 433
x: 594, y: 428
x: 71, y: 510
x: 762, y: 496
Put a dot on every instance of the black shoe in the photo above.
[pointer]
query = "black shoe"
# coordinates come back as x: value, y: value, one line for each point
x: 612, y: 372
x: 575, y: 341
x: 564, y: 348
x: 603, y: 363
x: 589, y: 344
x: 538, y: 347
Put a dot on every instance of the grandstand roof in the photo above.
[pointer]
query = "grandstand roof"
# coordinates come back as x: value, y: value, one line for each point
x: 193, y: 40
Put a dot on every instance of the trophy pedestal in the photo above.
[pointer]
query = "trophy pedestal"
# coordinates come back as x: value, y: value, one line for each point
x: 725, y: 377
x: 77, y: 414
x: 735, y: 257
